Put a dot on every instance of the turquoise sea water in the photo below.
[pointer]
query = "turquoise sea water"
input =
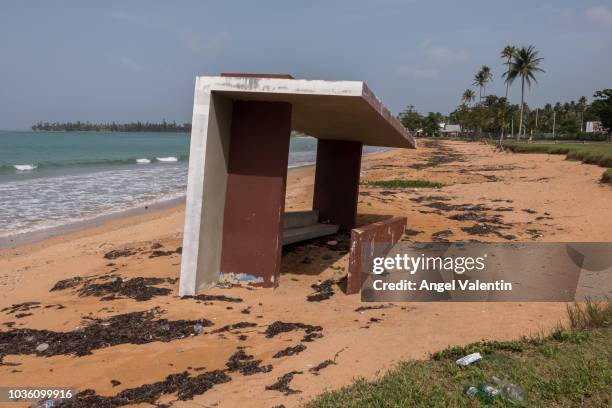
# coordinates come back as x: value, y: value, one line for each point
x: 49, y: 179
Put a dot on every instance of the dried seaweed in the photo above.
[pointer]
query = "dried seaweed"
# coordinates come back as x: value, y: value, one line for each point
x: 324, y: 364
x: 377, y: 307
x: 290, y: 351
x: 138, y: 288
x: 281, y: 327
x: 212, y: 298
x: 323, y: 291
x: 133, y: 328
x: 21, y: 307
x: 184, y: 385
x: 67, y: 283
x: 246, y: 364
x: 282, y: 384
x: 239, y: 325
x: 441, y: 236
x: 118, y: 253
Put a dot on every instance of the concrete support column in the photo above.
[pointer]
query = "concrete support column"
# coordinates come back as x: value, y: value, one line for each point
x: 255, y: 193
x: 336, y: 187
x: 208, y: 157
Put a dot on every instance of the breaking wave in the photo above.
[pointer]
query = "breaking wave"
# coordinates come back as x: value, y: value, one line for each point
x: 25, y: 167
x: 7, y: 168
x: 168, y: 159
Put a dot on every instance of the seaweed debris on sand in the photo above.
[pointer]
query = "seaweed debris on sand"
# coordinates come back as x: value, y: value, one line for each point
x: 183, y: 384
x: 282, y: 383
x: 135, y: 328
x: 323, y: 291
x: 246, y: 364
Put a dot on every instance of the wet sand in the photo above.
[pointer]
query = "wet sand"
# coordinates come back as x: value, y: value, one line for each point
x: 532, y: 198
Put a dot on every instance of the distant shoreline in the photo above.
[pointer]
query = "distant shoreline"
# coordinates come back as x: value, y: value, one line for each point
x: 138, y: 126
x: 91, y: 131
x: 99, y: 131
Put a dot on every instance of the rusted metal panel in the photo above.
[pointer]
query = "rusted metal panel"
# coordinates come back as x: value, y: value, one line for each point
x: 336, y: 188
x: 251, y: 75
x: 368, y: 242
x: 255, y: 195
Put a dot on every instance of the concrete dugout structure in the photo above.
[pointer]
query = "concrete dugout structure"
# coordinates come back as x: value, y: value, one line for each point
x: 238, y: 159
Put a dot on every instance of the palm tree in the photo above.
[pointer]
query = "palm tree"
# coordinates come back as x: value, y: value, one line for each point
x: 582, y: 103
x: 479, y: 81
x: 487, y: 75
x: 481, y: 78
x: 525, y: 64
x: 468, y: 96
x: 507, y: 53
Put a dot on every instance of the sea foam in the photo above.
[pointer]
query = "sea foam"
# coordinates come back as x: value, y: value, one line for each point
x: 25, y: 167
x: 67, y: 198
x: 167, y: 159
x: 143, y: 161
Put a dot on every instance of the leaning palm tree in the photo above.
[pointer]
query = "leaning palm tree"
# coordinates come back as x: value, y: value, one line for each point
x: 507, y: 53
x: 468, y: 96
x: 525, y: 64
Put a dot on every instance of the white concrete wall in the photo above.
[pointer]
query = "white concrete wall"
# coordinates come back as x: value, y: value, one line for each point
x: 206, y: 184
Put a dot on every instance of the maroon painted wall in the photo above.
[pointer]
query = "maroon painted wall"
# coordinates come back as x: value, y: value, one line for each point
x: 336, y: 187
x: 255, y: 196
x: 368, y: 242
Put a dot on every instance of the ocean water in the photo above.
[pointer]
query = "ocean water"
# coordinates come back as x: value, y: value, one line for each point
x: 50, y: 179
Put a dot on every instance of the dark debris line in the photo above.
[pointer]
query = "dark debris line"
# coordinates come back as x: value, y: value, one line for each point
x: 133, y: 328
x: 290, y: 351
x: 120, y: 330
x: 183, y: 384
x: 282, y: 383
x: 111, y: 287
x: 212, y: 298
x: 246, y: 364
x: 323, y: 291
x: 139, y: 288
x: 281, y: 327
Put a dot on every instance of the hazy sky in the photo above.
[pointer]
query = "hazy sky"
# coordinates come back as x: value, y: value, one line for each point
x: 136, y: 60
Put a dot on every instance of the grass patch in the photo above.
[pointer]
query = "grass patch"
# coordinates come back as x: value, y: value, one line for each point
x: 590, y: 315
x: 569, y: 367
x: 592, y: 153
x: 404, y: 184
x: 433, y: 161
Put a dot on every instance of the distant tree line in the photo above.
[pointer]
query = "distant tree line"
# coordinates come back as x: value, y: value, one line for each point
x: 426, y: 124
x: 111, y: 127
x: 493, y: 115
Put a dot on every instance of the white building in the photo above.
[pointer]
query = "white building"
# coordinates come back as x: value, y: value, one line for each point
x: 594, y: 127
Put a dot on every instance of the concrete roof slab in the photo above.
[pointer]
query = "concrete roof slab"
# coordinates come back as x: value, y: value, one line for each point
x: 338, y: 110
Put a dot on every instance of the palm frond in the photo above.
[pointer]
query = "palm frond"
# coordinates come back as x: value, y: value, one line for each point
x: 525, y: 63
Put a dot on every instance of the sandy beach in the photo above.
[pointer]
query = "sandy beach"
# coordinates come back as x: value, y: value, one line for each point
x: 532, y: 198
